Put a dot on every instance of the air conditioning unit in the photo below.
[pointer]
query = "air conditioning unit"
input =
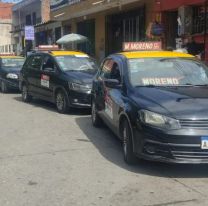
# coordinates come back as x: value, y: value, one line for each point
x: 185, y: 14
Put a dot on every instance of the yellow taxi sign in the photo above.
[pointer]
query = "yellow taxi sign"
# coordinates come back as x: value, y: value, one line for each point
x: 142, y: 46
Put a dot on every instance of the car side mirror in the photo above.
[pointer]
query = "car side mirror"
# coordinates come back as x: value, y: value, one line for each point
x: 112, y: 83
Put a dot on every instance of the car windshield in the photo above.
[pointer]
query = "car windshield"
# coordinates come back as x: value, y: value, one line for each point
x: 73, y: 63
x: 12, y: 62
x: 167, y: 72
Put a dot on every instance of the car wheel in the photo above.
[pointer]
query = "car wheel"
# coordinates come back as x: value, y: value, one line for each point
x: 61, y: 102
x: 129, y: 155
x: 96, y: 120
x: 25, y: 96
x: 4, y: 88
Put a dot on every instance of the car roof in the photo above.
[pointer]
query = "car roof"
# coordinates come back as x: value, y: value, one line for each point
x: 155, y: 54
x: 11, y: 57
x: 68, y: 53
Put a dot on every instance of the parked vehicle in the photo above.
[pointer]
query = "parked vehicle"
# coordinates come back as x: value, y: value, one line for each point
x: 156, y: 102
x: 10, y: 67
x: 61, y: 77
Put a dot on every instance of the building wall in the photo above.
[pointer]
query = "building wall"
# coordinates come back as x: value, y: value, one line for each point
x: 86, y: 10
x: 5, y: 10
x: 20, y: 11
x: 100, y: 37
x: 45, y: 10
x: 5, y: 27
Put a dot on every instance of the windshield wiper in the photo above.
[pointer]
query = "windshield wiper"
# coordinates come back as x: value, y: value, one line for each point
x: 201, y: 85
x: 191, y: 85
x: 149, y: 85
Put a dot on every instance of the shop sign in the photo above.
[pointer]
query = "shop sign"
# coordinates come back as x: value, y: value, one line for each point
x: 29, y: 33
x: 142, y: 46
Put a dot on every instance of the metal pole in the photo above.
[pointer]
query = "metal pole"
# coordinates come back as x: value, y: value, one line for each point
x: 205, y: 27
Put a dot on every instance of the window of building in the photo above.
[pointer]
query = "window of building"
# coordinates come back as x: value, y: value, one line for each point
x: 34, y: 18
x: 198, y: 19
x: 28, y: 20
x: 57, y: 33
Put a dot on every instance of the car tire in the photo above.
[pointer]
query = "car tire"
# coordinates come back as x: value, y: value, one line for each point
x: 61, y: 102
x: 96, y: 120
x: 127, y: 138
x: 4, y: 87
x: 25, y: 96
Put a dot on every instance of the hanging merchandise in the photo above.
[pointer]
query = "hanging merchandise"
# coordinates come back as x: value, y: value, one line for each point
x: 157, y: 29
x: 179, y: 26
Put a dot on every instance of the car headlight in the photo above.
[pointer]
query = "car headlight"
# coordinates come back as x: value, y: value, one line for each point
x: 12, y: 76
x: 80, y: 87
x: 157, y: 120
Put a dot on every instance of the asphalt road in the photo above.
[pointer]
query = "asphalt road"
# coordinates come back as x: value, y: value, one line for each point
x: 49, y: 159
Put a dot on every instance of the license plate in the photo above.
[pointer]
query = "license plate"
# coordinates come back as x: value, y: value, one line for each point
x: 204, y: 143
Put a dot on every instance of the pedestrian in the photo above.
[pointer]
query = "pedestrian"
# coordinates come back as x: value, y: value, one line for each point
x: 191, y: 46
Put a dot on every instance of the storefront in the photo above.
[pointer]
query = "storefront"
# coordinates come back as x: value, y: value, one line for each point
x: 87, y: 28
x: 124, y: 27
x: 188, y: 18
x: 106, y: 23
x: 47, y: 33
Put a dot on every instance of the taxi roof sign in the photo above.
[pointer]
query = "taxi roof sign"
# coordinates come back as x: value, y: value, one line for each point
x: 47, y: 48
x: 142, y: 46
x: 7, y: 54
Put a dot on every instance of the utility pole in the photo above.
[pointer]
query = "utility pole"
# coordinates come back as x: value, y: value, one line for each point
x: 205, y: 27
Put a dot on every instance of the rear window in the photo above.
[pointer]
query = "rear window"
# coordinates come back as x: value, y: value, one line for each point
x: 76, y: 63
x: 12, y: 62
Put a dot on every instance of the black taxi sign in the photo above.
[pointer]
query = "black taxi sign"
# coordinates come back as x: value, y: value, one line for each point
x: 142, y: 46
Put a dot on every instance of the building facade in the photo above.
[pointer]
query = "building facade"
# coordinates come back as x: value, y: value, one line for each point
x: 28, y: 13
x: 5, y: 27
x: 188, y: 18
x: 107, y: 23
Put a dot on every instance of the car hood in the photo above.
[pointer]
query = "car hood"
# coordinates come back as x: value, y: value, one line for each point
x: 15, y: 70
x: 80, y: 77
x: 178, y: 102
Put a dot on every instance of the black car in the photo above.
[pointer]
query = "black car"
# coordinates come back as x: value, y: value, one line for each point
x: 61, y: 77
x: 10, y: 67
x: 156, y: 103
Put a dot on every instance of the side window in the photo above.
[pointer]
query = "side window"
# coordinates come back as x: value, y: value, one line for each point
x: 48, y: 64
x: 36, y: 62
x: 110, y: 70
x: 115, y: 72
x: 26, y: 64
x: 106, y: 69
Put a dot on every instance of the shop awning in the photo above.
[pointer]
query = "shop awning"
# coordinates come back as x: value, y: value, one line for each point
x: 44, y: 23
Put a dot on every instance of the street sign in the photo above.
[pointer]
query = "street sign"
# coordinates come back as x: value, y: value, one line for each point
x: 29, y: 33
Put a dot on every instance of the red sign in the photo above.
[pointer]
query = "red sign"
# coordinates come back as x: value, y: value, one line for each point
x: 47, y: 47
x: 142, y: 46
x: 45, y: 77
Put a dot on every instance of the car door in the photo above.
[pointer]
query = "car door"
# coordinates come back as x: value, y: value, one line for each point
x: 32, y: 73
x: 111, y: 98
x: 48, y: 78
x: 1, y: 69
x: 114, y: 94
x: 99, y: 89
